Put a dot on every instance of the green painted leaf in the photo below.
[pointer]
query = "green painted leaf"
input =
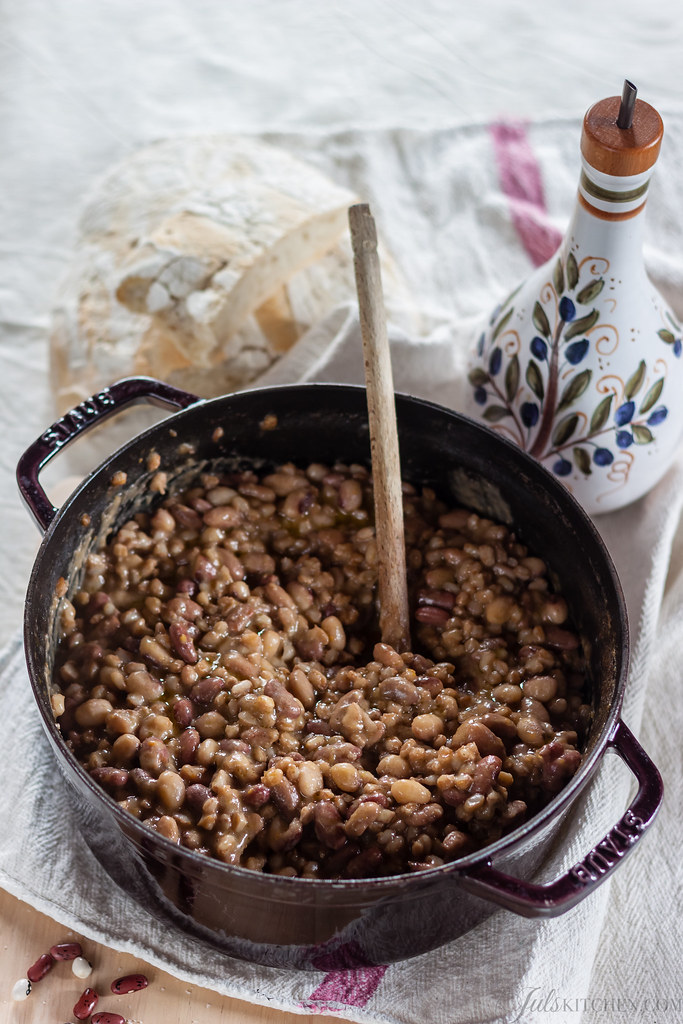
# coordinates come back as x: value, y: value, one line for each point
x: 676, y: 325
x: 502, y: 323
x: 635, y: 381
x: 564, y: 429
x: 512, y: 379
x: 590, y: 292
x: 496, y: 413
x: 642, y: 435
x: 540, y: 320
x: 582, y: 460
x: 534, y: 379
x: 581, y: 325
x: 601, y: 414
x: 574, y: 389
x: 652, y: 395
x: 572, y: 271
x: 558, y: 277
x: 666, y: 336
x: 478, y: 377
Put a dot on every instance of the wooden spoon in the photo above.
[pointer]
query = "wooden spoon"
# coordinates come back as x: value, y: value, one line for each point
x: 394, y: 620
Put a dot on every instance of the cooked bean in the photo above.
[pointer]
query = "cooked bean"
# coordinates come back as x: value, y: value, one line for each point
x: 214, y: 676
x: 473, y: 731
x: 93, y: 713
x: 345, y: 776
x: 411, y: 791
x: 529, y: 731
x: 154, y: 756
x: 183, y: 711
x: 427, y: 727
x: 329, y: 827
x: 182, y: 643
x: 225, y: 517
x: 111, y: 778
x: 171, y: 790
x: 542, y: 688
x: 210, y: 725
x: 310, y: 779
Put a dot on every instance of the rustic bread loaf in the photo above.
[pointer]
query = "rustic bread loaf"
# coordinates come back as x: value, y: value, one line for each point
x: 200, y: 260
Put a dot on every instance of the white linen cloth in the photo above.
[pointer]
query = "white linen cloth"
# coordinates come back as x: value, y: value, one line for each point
x: 81, y: 85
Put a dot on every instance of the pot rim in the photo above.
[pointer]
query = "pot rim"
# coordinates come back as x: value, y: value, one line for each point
x: 487, y: 854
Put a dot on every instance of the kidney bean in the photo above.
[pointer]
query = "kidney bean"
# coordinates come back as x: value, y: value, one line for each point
x: 196, y: 795
x: 112, y: 778
x: 186, y: 586
x: 186, y: 516
x: 474, y: 731
x: 437, y: 598
x: 40, y: 968
x: 184, y: 712
x: 129, y: 983
x: 328, y: 825
x: 399, y: 689
x: 286, y: 798
x: 206, y: 690
x: 182, y: 643
x: 86, y: 1004
x: 288, y: 706
x: 66, y: 951
x: 107, y: 1017
x: 256, y: 795
x: 485, y: 774
x: 188, y: 742
x: 500, y: 725
x: 431, y: 615
x: 144, y: 783
x: 562, y: 639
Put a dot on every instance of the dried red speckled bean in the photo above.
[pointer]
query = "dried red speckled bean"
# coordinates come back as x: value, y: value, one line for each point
x: 86, y: 1004
x: 129, y: 983
x: 40, y: 968
x: 107, y: 1017
x: 66, y: 951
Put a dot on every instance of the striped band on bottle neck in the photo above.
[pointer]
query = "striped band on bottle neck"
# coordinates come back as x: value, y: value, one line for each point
x: 610, y: 197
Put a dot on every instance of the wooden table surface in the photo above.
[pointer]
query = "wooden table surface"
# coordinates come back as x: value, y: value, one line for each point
x: 25, y: 934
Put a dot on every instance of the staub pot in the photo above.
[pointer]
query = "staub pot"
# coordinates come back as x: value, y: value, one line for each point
x: 322, y: 923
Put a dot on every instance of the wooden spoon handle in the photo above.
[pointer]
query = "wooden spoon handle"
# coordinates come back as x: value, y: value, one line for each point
x: 394, y: 620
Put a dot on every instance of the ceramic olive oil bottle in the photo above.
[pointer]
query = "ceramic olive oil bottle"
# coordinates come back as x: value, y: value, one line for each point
x: 581, y: 365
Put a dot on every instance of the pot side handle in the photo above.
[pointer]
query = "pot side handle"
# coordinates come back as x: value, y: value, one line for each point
x: 531, y: 900
x: 82, y: 417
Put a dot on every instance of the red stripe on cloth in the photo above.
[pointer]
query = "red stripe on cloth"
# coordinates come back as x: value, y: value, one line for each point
x: 339, y: 989
x: 520, y: 179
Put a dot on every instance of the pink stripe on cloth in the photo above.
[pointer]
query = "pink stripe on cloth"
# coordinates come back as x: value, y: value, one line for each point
x: 339, y: 989
x: 351, y: 986
x: 520, y: 179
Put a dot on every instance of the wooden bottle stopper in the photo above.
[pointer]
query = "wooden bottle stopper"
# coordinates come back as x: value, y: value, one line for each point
x: 621, y: 151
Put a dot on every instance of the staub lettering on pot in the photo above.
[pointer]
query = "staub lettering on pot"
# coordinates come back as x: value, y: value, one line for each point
x: 609, y: 850
x: 65, y: 428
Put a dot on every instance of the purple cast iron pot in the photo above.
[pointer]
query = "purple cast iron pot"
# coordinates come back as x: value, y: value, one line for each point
x: 325, y: 924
